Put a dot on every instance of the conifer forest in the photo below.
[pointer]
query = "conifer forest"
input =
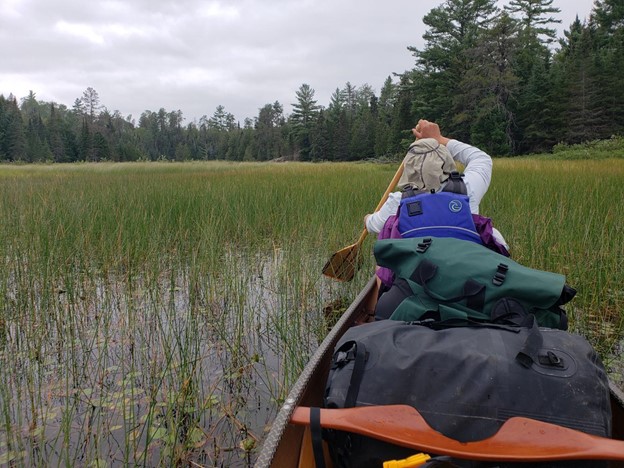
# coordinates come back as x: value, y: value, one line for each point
x: 499, y: 78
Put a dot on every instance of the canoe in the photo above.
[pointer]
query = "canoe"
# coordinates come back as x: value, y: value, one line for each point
x: 288, y: 443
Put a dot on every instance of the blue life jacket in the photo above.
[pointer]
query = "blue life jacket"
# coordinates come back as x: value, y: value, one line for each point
x: 438, y: 214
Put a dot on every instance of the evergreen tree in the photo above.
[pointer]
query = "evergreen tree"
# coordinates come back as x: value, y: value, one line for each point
x: 609, y: 16
x: 174, y: 136
x: 336, y: 123
x: 488, y: 86
x: 385, y: 106
x: 408, y: 109
x: 537, y: 109
x: 320, y: 148
x: 608, y: 20
x: 336, y: 101
x: 29, y: 105
x: 101, y: 148
x: 303, y: 118
x: 363, y: 135
x: 531, y: 65
x: 86, y: 142
x: 182, y: 152
x: 241, y: 140
x: 340, y: 136
x: 12, y: 140
x: 148, y: 133
x: 267, y: 142
x: 363, y: 96
x: 72, y: 149
x: 535, y: 16
x: 576, y: 74
x: 90, y: 101
x: 454, y: 28
x: 37, y: 149
x: 78, y: 107
x: 221, y: 120
x: 349, y: 93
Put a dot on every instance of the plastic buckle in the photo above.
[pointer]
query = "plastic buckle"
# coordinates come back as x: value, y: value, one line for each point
x: 500, y: 275
x: 424, y: 245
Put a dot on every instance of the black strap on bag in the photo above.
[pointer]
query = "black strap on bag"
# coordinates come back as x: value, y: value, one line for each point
x: 316, y: 432
x: 529, y: 353
x: 351, y: 351
x: 456, y: 184
x: 356, y: 376
x: 339, y: 442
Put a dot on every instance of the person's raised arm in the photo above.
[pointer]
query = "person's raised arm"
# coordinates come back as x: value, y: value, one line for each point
x: 477, y: 163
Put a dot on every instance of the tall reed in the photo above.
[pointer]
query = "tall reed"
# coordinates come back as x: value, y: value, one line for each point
x: 564, y: 216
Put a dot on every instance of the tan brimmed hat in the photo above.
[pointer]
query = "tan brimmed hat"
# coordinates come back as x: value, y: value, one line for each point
x: 426, y: 165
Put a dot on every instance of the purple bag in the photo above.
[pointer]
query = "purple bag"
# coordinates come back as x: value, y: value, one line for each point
x: 484, y: 228
x: 390, y: 230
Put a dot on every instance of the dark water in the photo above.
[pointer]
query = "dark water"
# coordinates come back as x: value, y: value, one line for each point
x: 176, y: 370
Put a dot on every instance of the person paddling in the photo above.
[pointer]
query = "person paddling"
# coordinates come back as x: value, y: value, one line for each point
x: 429, y: 168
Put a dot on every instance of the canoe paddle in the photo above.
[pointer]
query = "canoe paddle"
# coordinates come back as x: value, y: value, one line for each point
x: 518, y: 440
x: 343, y: 264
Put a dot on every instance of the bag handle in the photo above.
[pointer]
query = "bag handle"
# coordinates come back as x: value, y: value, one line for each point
x: 344, y: 354
x: 529, y: 352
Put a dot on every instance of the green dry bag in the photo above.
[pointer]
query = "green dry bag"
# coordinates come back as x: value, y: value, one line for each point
x: 455, y: 279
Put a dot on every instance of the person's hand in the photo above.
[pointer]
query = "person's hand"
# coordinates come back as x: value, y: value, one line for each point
x: 426, y: 129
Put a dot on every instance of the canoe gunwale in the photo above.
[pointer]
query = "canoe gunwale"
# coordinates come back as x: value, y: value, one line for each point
x: 282, y: 419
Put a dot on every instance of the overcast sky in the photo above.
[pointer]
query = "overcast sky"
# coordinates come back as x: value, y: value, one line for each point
x: 193, y: 55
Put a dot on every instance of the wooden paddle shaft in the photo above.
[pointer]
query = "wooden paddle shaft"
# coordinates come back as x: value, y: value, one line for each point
x: 393, y: 182
x: 342, y: 265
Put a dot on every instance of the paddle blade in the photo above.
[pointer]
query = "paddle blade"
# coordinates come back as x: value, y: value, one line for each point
x: 343, y: 264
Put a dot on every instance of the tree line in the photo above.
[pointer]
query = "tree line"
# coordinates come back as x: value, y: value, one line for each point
x: 490, y: 76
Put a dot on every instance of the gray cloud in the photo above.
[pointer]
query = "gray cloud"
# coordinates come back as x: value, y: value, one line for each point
x: 193, y: 55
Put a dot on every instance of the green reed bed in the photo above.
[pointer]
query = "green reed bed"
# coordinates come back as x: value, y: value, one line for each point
x: 566, y: 216
x: 157, y: 314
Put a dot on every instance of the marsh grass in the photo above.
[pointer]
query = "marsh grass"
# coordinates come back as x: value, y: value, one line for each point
x: 566, y: 216
x: 157, y: 314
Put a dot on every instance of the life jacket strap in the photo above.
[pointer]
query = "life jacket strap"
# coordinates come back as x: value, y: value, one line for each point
x: 456, y: 184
